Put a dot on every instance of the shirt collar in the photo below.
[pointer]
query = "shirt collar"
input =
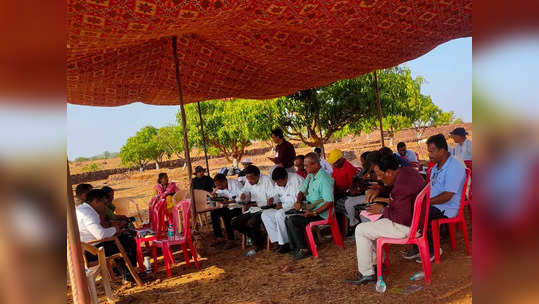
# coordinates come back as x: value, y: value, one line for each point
x: 450, y: 159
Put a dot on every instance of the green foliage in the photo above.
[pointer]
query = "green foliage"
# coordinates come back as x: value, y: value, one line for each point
x: 81, y: 159
x: 170, y: 140
x: 142, y: 148
x: 91, y: 168
x: 230, y: 125
x: 104, y: 155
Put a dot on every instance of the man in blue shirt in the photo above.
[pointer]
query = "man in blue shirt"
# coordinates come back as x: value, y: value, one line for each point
x: 447, y: 181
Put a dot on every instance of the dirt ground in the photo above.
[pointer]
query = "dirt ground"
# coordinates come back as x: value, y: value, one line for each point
x: 267, y: 277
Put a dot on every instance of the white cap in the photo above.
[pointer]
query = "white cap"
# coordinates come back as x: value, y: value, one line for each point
x: 246, y: 161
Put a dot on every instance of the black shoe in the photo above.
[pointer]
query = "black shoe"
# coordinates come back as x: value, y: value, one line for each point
x: 293, y: 252
x: 411, y: 254
x: 284, y: 248
x: 301, y: 254
x: 363, y: 280
x: 276, y: 249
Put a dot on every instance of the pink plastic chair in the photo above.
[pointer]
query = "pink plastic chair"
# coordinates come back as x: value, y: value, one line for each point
x: 182, y: 240
x: 335, y: 231
x: 451, y: 222
x: 421, y: 206
x: 157, y: 225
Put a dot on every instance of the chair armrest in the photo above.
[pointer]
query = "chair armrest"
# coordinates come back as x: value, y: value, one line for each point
x: 112, y: 238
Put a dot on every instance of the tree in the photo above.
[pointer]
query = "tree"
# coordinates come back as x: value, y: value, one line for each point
x: 314, y: 115
x: 230, y: 125
x: 170, y: 140
x: 142, y: 148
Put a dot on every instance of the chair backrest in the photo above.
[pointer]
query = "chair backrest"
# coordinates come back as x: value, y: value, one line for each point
x: 200, y: 200
x: 127, y: 207
x: 158, y: 223
x: 185, y: 207
x: 417, y: 156
x: 421, y: 212
x: 179, y: 195
x: 463, y: 196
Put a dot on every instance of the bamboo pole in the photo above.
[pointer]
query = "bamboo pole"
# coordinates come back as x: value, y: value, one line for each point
x: 75, y: 264
x: 184, y: 125
x: 203, y: 138
x: 379, y: 108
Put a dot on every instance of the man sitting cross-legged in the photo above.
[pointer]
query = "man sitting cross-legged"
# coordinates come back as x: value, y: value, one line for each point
x: 286, y: 189
x: 230, y: 190
x: 397, y: 216
x: 317, y: 189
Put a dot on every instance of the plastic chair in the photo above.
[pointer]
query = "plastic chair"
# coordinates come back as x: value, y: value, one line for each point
x: 468, y: 200
x: 451, y: 222
x: 421, y: 206
x: 182, y: 240
x: 202, y: 207
x: 126, y: 206
x: 335, y: 231
x: 156, y: 228
x: 99, y: 269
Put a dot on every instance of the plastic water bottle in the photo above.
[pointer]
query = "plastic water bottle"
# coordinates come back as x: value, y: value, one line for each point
x: 147, y: 264
x: 170, y: 231
x: 380, y: 285
x: 417, y: 276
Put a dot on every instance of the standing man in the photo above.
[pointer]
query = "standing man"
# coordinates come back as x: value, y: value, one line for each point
x: 285, y: 152
x: 325, y: 165
x: 257, y: 190
x: 287, y: 187
x: 317, y: 190
x: 447, y: 180
x: 463, y: 146
x: 202, y: 181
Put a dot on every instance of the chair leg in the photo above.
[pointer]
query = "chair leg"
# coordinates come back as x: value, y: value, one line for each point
x: 379, y: 248
x: 435, y: 227
x: 337, y: 238
x: 105, y: 277
x: 267, y: 244
x: 166, y: 253
x: 452, y: 236
x: 465, y: 235
x: 386, y: 260
x: 154, y: 253
x: 425, y: 259
x: 243, y: 241
x: 194, y: 253
x: 186, y: 255
x: 93, y: 291
x: 140, y: 260
x: 310, y: 241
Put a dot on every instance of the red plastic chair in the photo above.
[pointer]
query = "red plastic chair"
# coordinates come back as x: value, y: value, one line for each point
x: 451, y: 222
x: 468, y: 201
x: 421, y: 205
x: 335, y: 231
x: 182, y: 240
x: 157, y: 226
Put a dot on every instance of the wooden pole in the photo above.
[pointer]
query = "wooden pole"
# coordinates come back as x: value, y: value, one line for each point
x: 75, y: 264
x: 203, y: 138
x: 184, y: 126
x: 379, y: 107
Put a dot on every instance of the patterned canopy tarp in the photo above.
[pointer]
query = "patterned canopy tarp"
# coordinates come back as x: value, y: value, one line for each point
x: 120, y: 51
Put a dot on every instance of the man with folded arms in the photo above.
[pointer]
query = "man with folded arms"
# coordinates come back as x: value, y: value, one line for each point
x: 230, y: 190
x: 397, y: 216
x: 258, y: 189
x: 317, y: 189
x: 287, y: 187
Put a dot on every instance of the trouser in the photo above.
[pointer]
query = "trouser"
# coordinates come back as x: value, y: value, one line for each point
x: 227, y: 215
x: 349, y: 206
x: 366, y: 235
x: 434, y: 214
x: 295, y: 226
x: 274, y: 221
x: 130, y: 247
x: 249, y: 224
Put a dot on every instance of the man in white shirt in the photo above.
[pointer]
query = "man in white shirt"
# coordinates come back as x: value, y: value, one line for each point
x: 323, y: 162
x: 407, y: 155
x: 257, y: 190
x: 89, y: 216
x: 463, y: 146
x: 229, y: 189
x: 286, y: 189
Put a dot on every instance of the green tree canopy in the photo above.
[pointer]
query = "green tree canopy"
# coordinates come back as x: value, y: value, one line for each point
x: 142, y: 148
x: 170, y: 140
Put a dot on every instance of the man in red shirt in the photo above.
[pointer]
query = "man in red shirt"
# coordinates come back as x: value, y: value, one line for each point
x: 343, y: 172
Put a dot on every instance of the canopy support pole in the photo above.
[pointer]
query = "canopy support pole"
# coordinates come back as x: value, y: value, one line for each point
x: 379, y: 107
x: 203, y: 138
x: 75, y: 264
x: 184, y: 127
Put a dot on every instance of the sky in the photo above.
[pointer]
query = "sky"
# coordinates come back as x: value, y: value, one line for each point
x: 447, y: 70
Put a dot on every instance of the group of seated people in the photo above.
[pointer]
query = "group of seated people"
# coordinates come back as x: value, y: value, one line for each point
x: 97, y: 220
x: 299, y: 190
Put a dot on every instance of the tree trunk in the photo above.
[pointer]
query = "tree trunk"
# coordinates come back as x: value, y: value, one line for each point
x: 156, y: 165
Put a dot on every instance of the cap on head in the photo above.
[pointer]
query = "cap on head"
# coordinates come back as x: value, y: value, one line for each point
x: 334, y: 156
x: 199, y: 169
x: 459, y: 131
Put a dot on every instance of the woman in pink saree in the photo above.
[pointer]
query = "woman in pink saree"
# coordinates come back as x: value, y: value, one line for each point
x: 163, y: 192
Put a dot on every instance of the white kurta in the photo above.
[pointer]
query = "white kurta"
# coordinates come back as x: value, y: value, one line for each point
x: 274, y: 220
x: 462, y: 151
x: 233, y: 192
x: 90, y: 228
x: 259, y: 192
